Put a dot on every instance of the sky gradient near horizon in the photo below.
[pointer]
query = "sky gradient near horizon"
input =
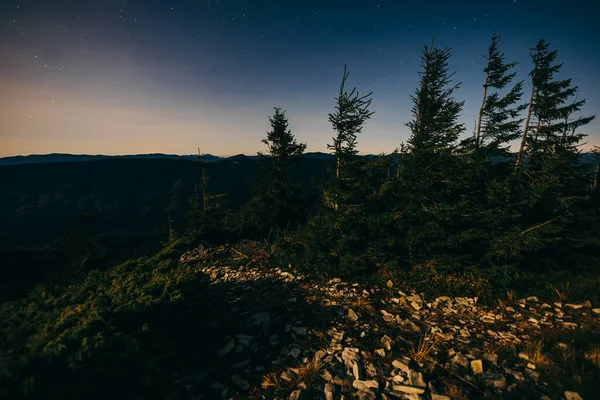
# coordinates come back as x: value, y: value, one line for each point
x: 150, y: 76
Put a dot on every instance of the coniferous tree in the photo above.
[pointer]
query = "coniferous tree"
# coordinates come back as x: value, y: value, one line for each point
x: 556, y: 185
x: 498, y: 123
x: 281, y: 143
x: 277, y: 203
x: 434, y: 128
x: 551, y: 133
x: 596, y: 151
x: 428, y: 180
x: 350, y: 115
x: 208, y: 213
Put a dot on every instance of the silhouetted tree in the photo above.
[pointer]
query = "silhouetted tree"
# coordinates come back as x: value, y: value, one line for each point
x: 350, y: 115
x: 498, y: 123
x: 277, y: 203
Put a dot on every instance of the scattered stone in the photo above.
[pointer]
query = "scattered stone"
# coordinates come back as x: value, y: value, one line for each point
x: 572, y: 395
x: 574, y: 306
x: 596, y: 311
x: 357, y: 370
x: 328, y: 391
x: 460, y: 360
x: 366, y: 385
x: 532, y: 375
x: 352, y: 316
x: 263, y: 319
x: 492, y: 380
x: 240, y: 383
x: 295, y: 352
x: 350, y: 356
x: 408, y: 389
x: 390, y: 284
x: 300, y: 330
x: 493, y: 358
x: 401, y: 365
x: 380, y: 352
x: 229, y: 346
x: 477, y: 366
x: 416, y: 379
x: 296, y: 394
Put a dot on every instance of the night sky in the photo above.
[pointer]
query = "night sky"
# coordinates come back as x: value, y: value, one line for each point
x: 145, y: 76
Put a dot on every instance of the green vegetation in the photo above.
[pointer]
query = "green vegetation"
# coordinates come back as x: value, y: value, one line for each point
x: 439, y: 214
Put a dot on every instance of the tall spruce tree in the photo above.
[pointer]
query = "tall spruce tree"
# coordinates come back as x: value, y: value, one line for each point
x: 350, y: 115
x: 498, y: 122
x: 281, y: 143
x: 428, y: 182
x: 277, y: 203
x: 435, y: 127
x: 549, y: 135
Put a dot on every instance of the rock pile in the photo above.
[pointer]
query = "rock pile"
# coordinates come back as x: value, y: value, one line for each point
x: 301, y: 338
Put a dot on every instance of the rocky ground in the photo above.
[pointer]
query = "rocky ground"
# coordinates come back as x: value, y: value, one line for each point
x: 282, y: 335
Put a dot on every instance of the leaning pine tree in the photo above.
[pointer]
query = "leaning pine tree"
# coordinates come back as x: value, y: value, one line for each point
x: 498, y: 122
x: 557, y: 184
x: 549, y: 133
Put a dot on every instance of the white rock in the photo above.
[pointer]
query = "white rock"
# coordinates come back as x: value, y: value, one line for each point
x: 572, y: 395
x: 328, y: 391
x: 477, y: 366
x: 366, y: 385
x: 574, y: 306
x: 401, y: 365
x: 300, y: 330
x: 408, y: 389
x: 492, y: 380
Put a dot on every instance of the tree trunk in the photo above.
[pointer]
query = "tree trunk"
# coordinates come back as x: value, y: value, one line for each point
x: 204, y: 199
x: 478, y: 132
x: 527, y: 121
x: 596, y: 151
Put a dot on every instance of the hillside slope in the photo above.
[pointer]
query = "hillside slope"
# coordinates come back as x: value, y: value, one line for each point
x: 223, y: 323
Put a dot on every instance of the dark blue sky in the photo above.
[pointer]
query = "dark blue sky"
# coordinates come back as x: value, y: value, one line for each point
x: 135, y: 76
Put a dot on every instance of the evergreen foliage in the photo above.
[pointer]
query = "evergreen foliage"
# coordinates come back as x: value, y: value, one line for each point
x: 499, y: 121
x: 277, y: 203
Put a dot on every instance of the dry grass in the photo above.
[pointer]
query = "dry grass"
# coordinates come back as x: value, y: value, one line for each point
x: 309, y: 372
x: 537, y: 356
x: 423, y: 349
x: 361, y: 304
x: 510, y: 296
x: 454, y: 391
x: 593, y: 356
x: 270, y: 380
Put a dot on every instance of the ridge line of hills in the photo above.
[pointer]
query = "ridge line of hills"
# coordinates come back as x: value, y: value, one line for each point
x: 587, y: 157
x: 65, y: 157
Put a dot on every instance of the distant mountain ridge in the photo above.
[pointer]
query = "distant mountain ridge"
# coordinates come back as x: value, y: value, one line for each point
x: 65, y: 157
x: 586, y: 158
